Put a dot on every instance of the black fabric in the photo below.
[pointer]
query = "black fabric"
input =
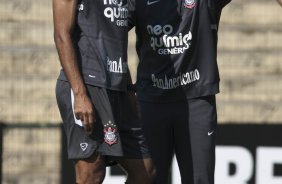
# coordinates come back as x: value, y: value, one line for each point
x: 187, y: 129
x: 100, y: 40
x: 112, y: 107
x: 177, y: 48
x: 224, y: 2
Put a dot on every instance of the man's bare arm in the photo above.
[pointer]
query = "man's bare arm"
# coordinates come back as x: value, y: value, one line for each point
x: 64, y: 12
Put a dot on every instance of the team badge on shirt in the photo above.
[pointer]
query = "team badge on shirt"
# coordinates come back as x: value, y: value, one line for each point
x: 189, y: 4
x: 83, y: 146
x: 110, y: 133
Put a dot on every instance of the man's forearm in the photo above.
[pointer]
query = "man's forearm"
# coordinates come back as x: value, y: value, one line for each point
x: 69, y: 64
x: 64, y: 17
x: 64, y: 12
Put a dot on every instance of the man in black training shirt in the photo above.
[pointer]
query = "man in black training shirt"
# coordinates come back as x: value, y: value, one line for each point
x: 177, y: 79
x: 100, y: 120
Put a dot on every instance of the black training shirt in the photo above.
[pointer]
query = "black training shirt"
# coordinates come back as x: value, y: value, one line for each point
x: 177, y: 47
x: 100, y: 40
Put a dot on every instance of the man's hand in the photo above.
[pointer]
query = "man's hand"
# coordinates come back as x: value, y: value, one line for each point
x: 84, y: 111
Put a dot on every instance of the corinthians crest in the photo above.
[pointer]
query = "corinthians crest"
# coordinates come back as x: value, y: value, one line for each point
x: 189, y: 4
x: 110, y: 133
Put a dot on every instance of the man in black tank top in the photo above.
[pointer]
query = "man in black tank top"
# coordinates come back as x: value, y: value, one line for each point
x: 177, y: 80
x: 101, y: 122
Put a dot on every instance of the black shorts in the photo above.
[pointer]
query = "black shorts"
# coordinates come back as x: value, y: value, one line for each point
x: 117, y: 131
x: 186, y: 128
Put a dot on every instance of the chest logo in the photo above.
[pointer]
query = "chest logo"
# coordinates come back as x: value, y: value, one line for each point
x: 83, y: 146
x: 118, y: 13
x: 189, y: 4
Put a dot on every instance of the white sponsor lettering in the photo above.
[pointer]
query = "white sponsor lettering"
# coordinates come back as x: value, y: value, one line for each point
x: 174, y: 50
x: 116, y: 66
x: 164, y: 44
x: 174, y: 82
x: 117, y: 13
x: 115, y: 2
x: 158, y: 29
x: 121, y: 22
